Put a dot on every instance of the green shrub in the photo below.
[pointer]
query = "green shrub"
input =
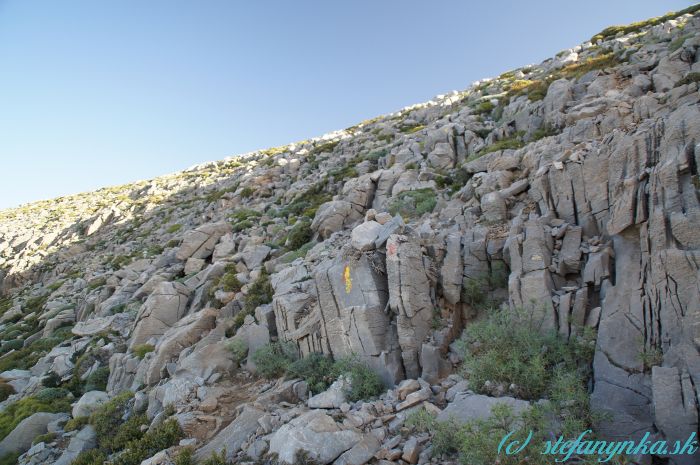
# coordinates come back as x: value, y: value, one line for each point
x: 229, y: 282
x: 316, y: 369
x: 259, y: 293
x: 34, y: 304
x: 576, y: 70
x: 534, y: 89
x: 454, y: 180
x: 216, y: 459
x: 99, y: 282
x: 97, y: 381
x: 483, y: 108
x: 413, y: 203
x: 319, y: 371
x: 346, y: 172
x: 307, y: 202
x: 299, y: 235
x: 242, y: 225
x: 420, y: 421
x: 247, y: 192
x: 185, y: 456
x: 46, y: 438
x: 76, y: 423
x: 140, y: 350
x: 26, y: 357
x: 173, y: 228
x: 473, y: 291
x: 128, y: 431
x: 120, y: 261
x: 162, y: 437
x: 498, y: 275
x: 239, y: 349
x: 410, y: 129
x: 301, y: 252
x: 478, y: 440
x: 612, y: 31
x: 5, y: 304
x: 90, y: 457
x: 689, y: 79
x: 6, y: 390
x: 10, y: 459
x: 508, y: 347
x: 364, y: 382
x: 651, y: 357
x: 243, y: 218
x: 51, y: 394
x: 325, y: 147
x: 11, y: 345
x: 273, y: 360
x: 677, y: 43
x: 107, y: 419
x: 513, y: 142
x: 26, y: 407
x: 545, y: 131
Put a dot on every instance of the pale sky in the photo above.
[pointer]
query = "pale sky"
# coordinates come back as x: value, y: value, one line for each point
x: 102, y: 93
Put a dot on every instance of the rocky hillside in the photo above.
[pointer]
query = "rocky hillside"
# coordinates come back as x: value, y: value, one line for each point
x: 368, y: 296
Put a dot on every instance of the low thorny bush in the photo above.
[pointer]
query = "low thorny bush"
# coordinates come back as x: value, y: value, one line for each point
x: 508, y: 347
x: 119, y: 432
x: 319, y: 371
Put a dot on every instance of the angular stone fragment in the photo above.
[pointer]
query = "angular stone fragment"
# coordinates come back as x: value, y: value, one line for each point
x: 363, y: 236
x: 314, y: 433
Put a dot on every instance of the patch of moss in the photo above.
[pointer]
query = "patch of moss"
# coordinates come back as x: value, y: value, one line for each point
x: 413, y: 203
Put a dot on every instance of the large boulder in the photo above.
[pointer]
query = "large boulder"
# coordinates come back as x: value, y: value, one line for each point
x: 163, y: 308
x: 86, y: 439
x: 184, y: 334
x: 315, y: 434
x: 200, y: 242
x: 363, y: 236
x: 20, y: 439
x: 468, y: 406
x: 352, y: 296
x: 233, y: 436
x: 253, y: 336
x: 88, y: 403
x: 254, y: 255
x: 334, y: 216
x: 333, y: 397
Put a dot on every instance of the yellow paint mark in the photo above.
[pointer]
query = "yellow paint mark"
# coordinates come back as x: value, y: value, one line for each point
x: 348, y: 279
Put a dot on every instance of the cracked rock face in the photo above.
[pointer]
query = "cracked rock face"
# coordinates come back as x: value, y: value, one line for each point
x: 575, y: 199
x: 163, y: 308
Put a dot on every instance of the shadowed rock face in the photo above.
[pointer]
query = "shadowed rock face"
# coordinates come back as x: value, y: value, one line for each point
x: 575, y: 198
